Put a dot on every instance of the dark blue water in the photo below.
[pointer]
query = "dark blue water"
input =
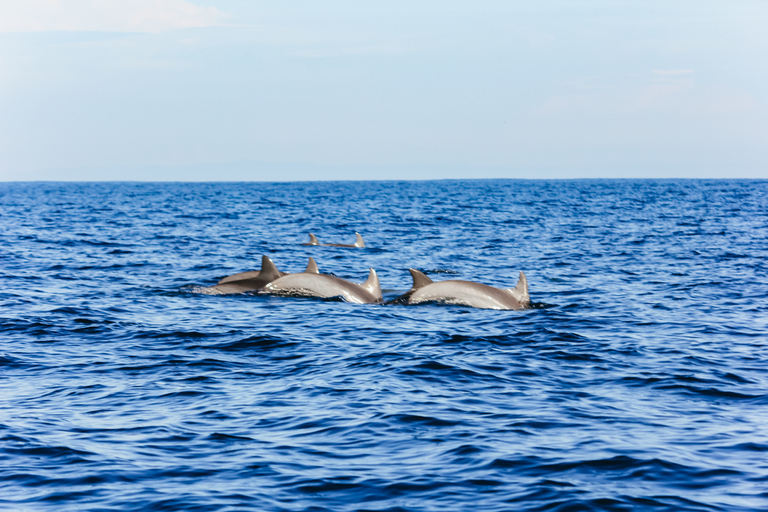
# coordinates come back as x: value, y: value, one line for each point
x: 640, y: 381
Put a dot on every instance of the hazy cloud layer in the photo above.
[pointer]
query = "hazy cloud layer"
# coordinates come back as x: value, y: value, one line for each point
x: 341, y: 89
x: 673, y: 72
x: 104, y: 15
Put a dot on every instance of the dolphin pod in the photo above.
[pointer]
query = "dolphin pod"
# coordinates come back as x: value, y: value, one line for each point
x: 311, y: 283
x: 358, y: 243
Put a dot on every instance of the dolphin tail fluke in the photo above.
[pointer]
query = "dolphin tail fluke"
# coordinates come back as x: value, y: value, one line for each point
x: 372, y: 284
x: 419, y: 279
x: 520, y: 292
x: 313, y: 240
x: 359, y: 242
x: 312, y: 267
x: 269, y: 271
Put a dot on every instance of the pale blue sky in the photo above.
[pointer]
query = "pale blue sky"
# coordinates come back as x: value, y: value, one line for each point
x: 287, y: 90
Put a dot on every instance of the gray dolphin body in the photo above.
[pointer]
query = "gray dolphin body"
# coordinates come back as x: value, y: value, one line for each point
x: 311, y: 283
x: 247, y: 281
x: 314, y: 241
x: 467, y: 293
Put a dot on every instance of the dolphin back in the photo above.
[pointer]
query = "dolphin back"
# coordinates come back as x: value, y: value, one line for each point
x: 372, y: 284
x: 247, y: 281
x: 359, y: 242
x: 419, y: 279
x: 520, y: 292
x: 269, y: 271
x: 307, y: 284
x: 312, y: 267
x: 467, y: 293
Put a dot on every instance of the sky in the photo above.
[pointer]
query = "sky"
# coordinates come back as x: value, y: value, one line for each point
x: 249, y: 90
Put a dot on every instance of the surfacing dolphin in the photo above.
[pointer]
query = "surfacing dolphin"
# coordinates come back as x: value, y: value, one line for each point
x: 311, y: 283
x: 247, y: 281
x: 466, y: 293
x: 358, y: 243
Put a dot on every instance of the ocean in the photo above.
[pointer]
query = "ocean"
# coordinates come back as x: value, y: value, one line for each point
x: 638, y: 381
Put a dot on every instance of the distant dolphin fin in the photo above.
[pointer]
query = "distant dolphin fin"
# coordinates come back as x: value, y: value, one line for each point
x: 312, y: 267
x: 372, y: 284
x: 419, y: 279
x: 520, y: 292
x: 359, y: 242
x: 313, y: 240
x: 269, y: 271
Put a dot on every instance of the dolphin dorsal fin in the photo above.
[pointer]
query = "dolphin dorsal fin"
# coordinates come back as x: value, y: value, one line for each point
x: 359, y: 242
x: 312, y: 267
x: 372, y: 284
x: 313, y: 240
x: 269, y: 271
x: 419, y: 279
x: 520, y: 292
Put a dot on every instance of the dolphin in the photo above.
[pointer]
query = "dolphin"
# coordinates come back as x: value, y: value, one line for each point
x: 311, y: 283
x: 467, y: 293
x: 358, y: 243
x: 247, y: 281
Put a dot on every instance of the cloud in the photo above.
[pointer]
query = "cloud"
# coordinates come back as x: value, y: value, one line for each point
x: 105, y: 15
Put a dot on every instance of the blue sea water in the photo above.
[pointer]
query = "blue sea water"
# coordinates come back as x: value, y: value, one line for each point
x: 638, y: 382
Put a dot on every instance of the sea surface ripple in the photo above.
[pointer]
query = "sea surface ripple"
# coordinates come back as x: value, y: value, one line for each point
x: 638, y: 382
